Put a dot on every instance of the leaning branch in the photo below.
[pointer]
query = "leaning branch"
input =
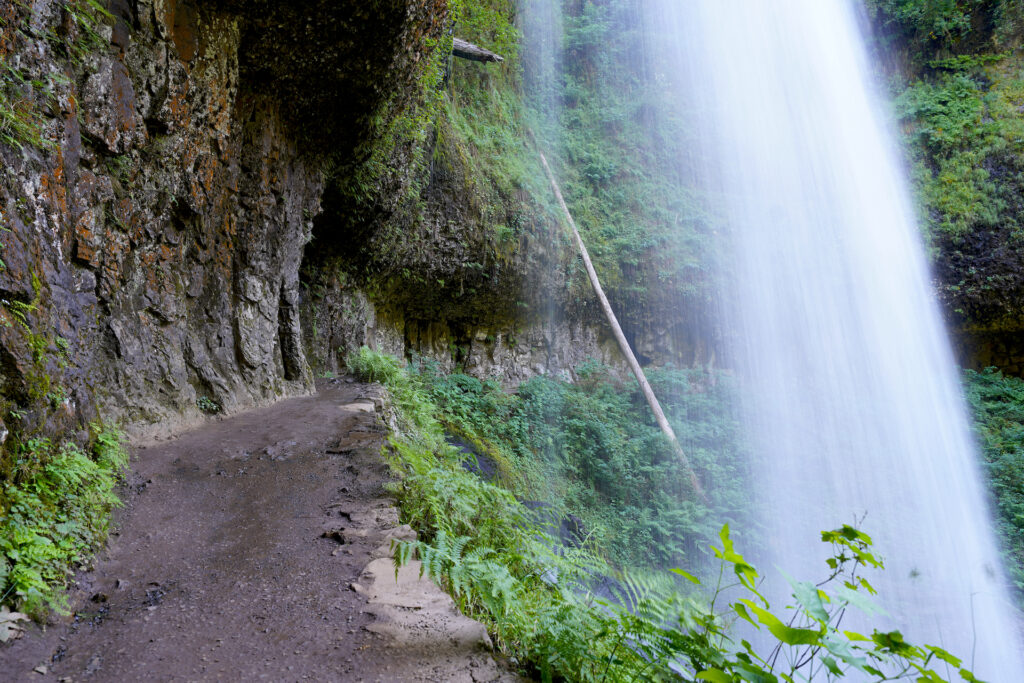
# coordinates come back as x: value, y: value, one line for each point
x: 645, y: 386
x: 467, y: 50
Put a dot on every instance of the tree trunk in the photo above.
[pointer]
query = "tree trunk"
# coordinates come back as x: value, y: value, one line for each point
x: 467, y: 50
x: 645, y: 387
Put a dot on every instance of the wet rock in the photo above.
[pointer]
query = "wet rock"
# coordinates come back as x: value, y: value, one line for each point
x: 163, y: 236
x: 345, y: 535
x: 109, y: 108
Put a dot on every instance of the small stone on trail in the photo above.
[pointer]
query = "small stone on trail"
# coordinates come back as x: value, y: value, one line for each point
x: 41, y: 669
x: 336, y: 534
x: 93, y: 665
x: 10, y: 624
x: 344, y: 535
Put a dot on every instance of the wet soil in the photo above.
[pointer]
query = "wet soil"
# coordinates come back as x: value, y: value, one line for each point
x: 256, y: 548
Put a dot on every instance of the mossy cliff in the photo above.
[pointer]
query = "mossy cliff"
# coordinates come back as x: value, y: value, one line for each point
x: 955, y: 75
x: 206, y: 204
x: 155, y: 224
x: 444, y: 244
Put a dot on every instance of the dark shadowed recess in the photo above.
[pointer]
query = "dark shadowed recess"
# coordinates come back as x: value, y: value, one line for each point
x: 335, y: 65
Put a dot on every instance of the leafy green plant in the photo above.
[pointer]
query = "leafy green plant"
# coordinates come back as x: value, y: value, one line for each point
x: 21, y: 123
x: 591, y: 449
x: 536, y: 596
x: 952, y: 135
x: 208, y: 405
x: 54, y: 509
x: 655, y: 632
x: 414, y: 409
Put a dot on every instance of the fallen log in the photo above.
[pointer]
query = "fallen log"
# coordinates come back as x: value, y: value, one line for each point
x: 634, y: 365
x: 467, y: 50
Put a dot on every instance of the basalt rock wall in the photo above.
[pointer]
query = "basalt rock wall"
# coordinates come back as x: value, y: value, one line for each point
x: 180, y: 231
x: 457, y: 271
x: 154, y: 228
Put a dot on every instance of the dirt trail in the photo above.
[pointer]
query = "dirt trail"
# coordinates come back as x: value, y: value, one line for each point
x: 254, y: 549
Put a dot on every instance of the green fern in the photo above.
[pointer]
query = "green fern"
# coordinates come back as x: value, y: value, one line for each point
x: 53, y: 514
x: 476, y: 576
x: 494, y: 558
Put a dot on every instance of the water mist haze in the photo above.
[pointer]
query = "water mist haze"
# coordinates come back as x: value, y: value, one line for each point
x: 852, y: 403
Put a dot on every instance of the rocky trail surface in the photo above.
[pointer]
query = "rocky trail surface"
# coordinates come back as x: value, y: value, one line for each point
x: 257, y: 548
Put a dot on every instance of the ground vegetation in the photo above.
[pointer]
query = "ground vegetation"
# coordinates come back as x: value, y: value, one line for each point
x: 536, y: 595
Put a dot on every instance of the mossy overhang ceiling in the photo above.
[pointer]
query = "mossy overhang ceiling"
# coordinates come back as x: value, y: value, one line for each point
x: 336, y: 66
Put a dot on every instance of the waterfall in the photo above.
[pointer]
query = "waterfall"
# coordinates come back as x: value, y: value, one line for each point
x: 852, y: 396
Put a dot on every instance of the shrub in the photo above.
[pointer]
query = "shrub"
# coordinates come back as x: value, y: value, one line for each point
x: 593, y: 450
x: 537, y: 597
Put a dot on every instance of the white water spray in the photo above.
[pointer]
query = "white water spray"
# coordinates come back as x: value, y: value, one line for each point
x: 854, y: 405
x: 852, y: 400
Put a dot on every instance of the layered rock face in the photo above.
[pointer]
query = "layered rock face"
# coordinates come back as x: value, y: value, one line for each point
x: 428, y: 275
x: 151, y: 252
x: 159, y: 258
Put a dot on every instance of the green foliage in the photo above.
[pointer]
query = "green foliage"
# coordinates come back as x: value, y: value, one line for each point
x: 483, y: 546
x: 452, y: 174
x: 208, y: 405
x: 965, y: 133
x: 997, y: 404
x: 652, y: 631
x: 21, y: 124
x: 414, y: 409
x: 55, y: 498
x: 592, y: 449
x: 964, y: 136
x: 370, y: 366
x: 489, y: 23
x: 926, y: 24
x: 54, y: 509
x: 482, y: 134
x: 929, y: 32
